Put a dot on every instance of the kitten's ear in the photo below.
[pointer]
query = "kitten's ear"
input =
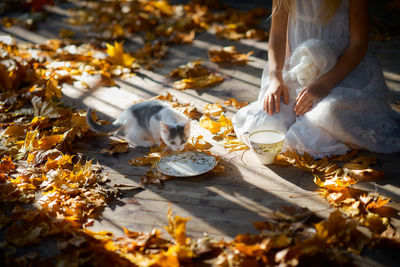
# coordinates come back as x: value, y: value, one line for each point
x: 164, y: 127
x: 186, y: 127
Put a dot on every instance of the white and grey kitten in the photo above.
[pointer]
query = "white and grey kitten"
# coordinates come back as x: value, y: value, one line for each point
x: 148, y: 123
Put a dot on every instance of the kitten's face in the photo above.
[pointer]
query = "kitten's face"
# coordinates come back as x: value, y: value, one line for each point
x: 175, y: 136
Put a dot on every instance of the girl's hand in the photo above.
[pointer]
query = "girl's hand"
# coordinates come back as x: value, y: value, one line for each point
x: 310, y: 95
x: 273, y: 96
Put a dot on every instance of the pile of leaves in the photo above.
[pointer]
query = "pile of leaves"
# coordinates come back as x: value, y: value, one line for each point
x: 163, y: 21
x: 54, y: 192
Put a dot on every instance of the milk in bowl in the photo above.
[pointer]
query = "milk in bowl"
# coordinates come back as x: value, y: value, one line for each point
x: 266, y: 144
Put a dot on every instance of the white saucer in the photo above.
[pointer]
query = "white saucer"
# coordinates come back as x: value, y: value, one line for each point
x: 186, y: 164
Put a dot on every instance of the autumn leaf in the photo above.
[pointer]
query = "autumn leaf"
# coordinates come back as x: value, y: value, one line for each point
x: 117, y: 56
x: 228, y: 54
x: 213, y: 109
x: 150, y: 159
x: 234, y: 103
x: 199, y: 143
x: 153, y: 177
x: 377, y: 204
x: 183, y: 38
x: 207, y: 123
x: 359, y: 168
x: 116, y: 146
x: 14, y: 132
x: 190, y: 70
x: 198, y: 82
x: 177, y: 228
x: 48, y: 142
x: 7, y: 165
x: 53, y: 89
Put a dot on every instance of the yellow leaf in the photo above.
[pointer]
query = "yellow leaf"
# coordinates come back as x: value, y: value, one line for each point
x: 177, y: 228
x: 53, y: 90
x: 14, y: 132
x: 213, y: 109
x: 198, y: 82
x: 30, y: 142
x: 78, y: 123
x: 117, y: 55
x: 379, y: 203
x: 213, y: 126
x: 48, y: 142
x: 150, y: 159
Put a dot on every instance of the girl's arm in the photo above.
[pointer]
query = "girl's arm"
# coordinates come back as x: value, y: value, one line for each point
x: 276, y: 59
x: 345, y: 64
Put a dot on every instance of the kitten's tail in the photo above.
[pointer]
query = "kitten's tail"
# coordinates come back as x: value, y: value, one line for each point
x: 117, y: 124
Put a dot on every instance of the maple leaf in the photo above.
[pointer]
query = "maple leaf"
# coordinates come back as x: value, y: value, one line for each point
x: 207, y: 123
x: 116, y: 146
x: 199, y: 143
x: 150, y: 159
x: 359, y: 168
x: 153, y: 177
x: 190, y: 70
x: 234, y: 103
x: 213, y: 109
x: 183, y: 38
x: 7, y: 165
x: 177, y: 228
x: 339, y: 231
x: 379, y: 203
x: 228, y: 54
x: 117, y: 56
x: 198, y: 82
x: 53, y: 89
x: 48, y: 142
x: 79, y: 124
x: 44, y: 108
x: 14, y: 132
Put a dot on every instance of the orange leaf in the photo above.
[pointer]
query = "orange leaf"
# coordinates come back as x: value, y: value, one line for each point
x: 7, y: 165
x: 177, y: 228
x: 198, y: 82
x: 236, y: 104
x: 213, y: 109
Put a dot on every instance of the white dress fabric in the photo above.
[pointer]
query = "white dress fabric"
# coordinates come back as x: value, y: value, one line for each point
x: 355, y: 114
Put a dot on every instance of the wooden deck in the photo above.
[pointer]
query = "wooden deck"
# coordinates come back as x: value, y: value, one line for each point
x: 223, y: 205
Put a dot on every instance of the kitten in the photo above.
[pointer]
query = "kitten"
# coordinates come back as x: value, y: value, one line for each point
x: 148, y: 123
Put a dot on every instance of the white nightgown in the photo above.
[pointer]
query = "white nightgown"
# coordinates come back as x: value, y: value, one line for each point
x: 355, y: 113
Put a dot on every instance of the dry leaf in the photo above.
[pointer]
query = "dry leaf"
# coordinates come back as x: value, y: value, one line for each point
x: 116, y: 146
x: 117, y: 55
x: 213, y: 109
x: 198, y: 82
x: 228, y: 54
x: 236, y: 104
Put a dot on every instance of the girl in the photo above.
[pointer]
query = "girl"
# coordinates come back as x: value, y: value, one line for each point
x: 345, y: 106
